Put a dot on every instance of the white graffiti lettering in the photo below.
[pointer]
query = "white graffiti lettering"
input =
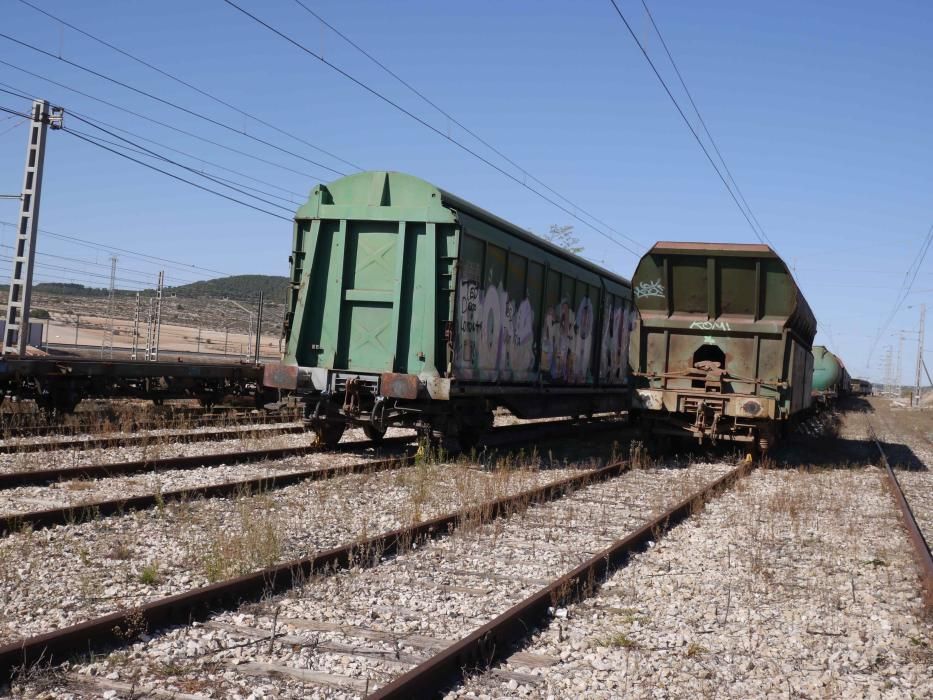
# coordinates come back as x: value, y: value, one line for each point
x: 495, y: 338
x: 649, y: 289
x: 710, y: 326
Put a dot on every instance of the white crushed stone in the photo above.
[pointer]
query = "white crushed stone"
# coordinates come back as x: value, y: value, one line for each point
x: 62, y: 575
x: 794, y: 584
x: 441, y: 590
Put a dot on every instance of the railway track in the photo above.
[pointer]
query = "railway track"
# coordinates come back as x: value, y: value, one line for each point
x: 13, y: 425
x: 612, y: 501
x: 108, y: 441
x: 89, y: 508
x: 919, y: 543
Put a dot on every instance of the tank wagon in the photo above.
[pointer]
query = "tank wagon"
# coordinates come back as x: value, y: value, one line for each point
x: 722, y: 347
x: 830, y: 378
x: 410, y: 307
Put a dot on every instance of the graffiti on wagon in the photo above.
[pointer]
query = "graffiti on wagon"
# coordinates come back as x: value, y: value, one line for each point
x: 495, y: 338
x: 567, y: 341
x: 710, y: 326
x: 649, y: 289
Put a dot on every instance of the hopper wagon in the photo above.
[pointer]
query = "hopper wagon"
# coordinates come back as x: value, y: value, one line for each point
x: 722, y: 346
x: 411, y: 307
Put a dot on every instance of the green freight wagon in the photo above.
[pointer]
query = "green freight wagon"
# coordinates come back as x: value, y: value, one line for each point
x: 410, y: 307
x: 722, y: 347
x: 830, y: 378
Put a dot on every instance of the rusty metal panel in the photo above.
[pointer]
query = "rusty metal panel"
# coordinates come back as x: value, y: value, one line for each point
x: 280, y: 376
x: 399, y: 386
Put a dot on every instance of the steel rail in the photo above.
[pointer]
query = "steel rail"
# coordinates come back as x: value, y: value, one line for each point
x: 172, y: 421
x: 40, y: 477
x: 69, y: 515
x: 72, y: 514
x: 117, y: 629
x: 921, y: 547
x: 496, y: 640
x: 130, y: 440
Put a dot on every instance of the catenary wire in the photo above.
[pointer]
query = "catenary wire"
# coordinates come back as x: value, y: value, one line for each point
x: 174, y: 176
x: 456, y: 121
x: 169, y: 103
x: 168, y: 263
x: 700, y: 118
x: 145, y: 151
x: 157, y: 122
x: 189, y: 85
x: 696, y: 136
x: 430, y: 126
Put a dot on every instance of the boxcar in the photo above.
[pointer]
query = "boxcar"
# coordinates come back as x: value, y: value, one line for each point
x: 722, y: 348
x: 410, y: 307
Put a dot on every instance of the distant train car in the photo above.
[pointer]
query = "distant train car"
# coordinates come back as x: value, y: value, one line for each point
x: 411, y: 307
x: 830, y: 378
x: 722, y: 348
x: 861, y: 387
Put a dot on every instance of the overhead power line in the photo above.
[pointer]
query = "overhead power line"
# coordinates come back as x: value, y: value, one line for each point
x: 190, y: 86
x: 693, y: 131
x: 148, y: 152
x: 169, y: 103
x: 171, y: 175
x: 192, y: 156
x: 702, y: 121
x: 454, y: 120
x: 132, y: 253
x: 428, y: 125
x: 905, y: 290
x: 157, y: 122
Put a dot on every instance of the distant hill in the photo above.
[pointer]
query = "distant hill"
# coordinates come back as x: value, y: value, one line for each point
x: 237, y: 287
x: 240, y: 287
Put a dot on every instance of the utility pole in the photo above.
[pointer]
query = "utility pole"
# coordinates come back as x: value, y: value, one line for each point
x: 158, y: 323
x: 149, y: 330
x: 77, y: 327
x: 135, y: 329
x: 897, y: 376
x: 258, y: 330
x: 113, y: 279
x: 16, y: 334
x: 917, y: 389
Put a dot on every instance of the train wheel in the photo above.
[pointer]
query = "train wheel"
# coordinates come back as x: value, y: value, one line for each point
x: 373, y: 433
x: 329, y: 434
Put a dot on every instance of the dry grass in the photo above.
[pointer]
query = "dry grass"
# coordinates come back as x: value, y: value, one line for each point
x: 253, y: 540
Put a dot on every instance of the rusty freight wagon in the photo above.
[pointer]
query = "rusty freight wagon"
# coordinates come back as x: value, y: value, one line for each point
x: 722, y: 348
x: 410, y: 307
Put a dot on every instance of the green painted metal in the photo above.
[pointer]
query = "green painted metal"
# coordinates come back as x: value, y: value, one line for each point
x: 365, y: 272
x: 392, y: 274
x: 827, y: 370
x: 732, y: 304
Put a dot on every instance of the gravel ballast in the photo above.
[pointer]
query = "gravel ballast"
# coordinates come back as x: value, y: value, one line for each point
x: 361, y: 628
x: 793, y: 584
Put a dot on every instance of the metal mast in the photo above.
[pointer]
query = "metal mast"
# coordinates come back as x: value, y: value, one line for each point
x: 16, y: 334
x: 113, y: 280
x: 135, y: 329
x: 917, y: 389
x: 158, y: 322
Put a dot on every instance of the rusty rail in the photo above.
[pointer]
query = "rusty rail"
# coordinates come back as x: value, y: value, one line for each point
x: 920, y: 546
x: 127, y: 440
x: 497, y: 639
x: 40, y: 477
x: 68, y: 515
x: 116, y: 629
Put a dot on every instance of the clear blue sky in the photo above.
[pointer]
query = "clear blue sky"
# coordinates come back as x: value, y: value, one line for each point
x: 822, y: 111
